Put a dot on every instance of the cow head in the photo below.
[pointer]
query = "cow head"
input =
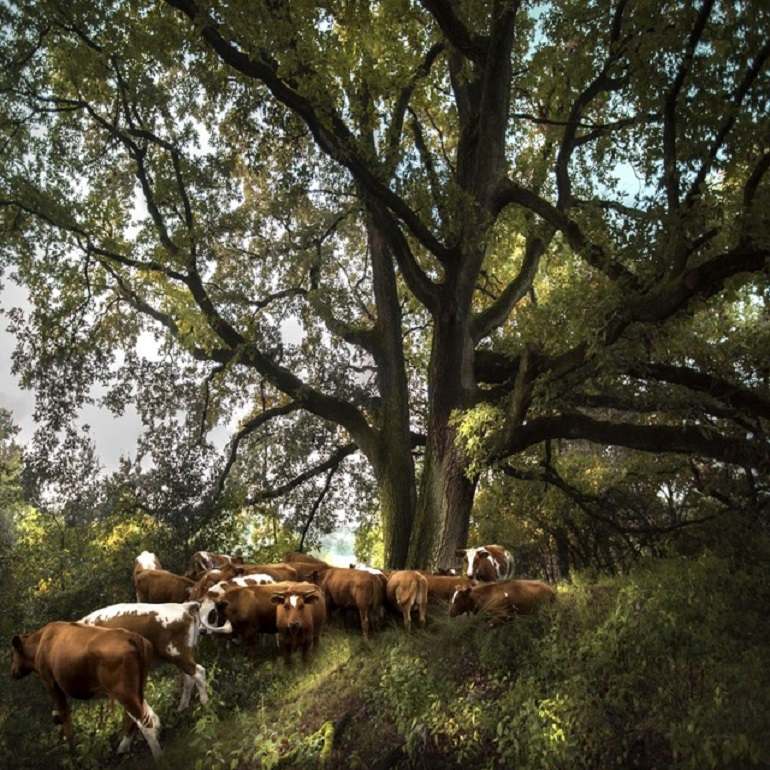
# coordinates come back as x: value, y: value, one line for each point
x: 290, y: 609
x: 479, y: 564
x: 147, y: 560
x: 461, y: 601
x: 22, y: 662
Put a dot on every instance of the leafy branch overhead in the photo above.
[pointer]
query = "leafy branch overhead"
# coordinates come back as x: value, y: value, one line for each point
x: 556, y: 215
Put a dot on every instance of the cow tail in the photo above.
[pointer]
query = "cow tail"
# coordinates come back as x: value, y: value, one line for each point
x: 406, y: 593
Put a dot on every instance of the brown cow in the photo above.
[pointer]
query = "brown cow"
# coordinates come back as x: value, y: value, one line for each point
x: 247, y: 611
x: 202, y: 561
x: 441, y: 587
x: 300, y: 615
x: 487, y: 563
x: 218, y: 590
x: 171, y: 629
x: 405, y: 591
x: 210, y: 578
x: 353, y: 588
x: 310, y: 571
x: 279, y: 571
x: 159, y: 586
x: 501, y: 600
x: 83, y: 662
x: 292, y: 556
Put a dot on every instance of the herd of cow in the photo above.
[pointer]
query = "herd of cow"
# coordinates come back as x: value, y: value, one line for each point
x: 109, y: 651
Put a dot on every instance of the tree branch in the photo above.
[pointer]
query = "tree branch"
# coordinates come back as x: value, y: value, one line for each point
x: 332, y: 461
x: 646, y: 438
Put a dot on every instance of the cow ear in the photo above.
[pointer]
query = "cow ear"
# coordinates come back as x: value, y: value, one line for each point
x: 460, y: 552
x: 17, y: 643
x: 310, y: 597
x: 277, y: 598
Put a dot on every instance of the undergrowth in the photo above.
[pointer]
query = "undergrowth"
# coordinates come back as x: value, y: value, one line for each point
x: 665, y: 667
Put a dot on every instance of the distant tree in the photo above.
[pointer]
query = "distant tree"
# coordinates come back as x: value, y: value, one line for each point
x: 496, y: 225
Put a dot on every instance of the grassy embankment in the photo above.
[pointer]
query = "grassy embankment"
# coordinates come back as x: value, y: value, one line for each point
x: 666, y: 667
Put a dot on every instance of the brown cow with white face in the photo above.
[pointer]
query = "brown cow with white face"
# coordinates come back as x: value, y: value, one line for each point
x: 300, y: 615
x: 501, y: 600
x: 83, y: 662
x: 407, y: 590
x: 171, y: 629
x: 487, y: 562
x: 355, y: 589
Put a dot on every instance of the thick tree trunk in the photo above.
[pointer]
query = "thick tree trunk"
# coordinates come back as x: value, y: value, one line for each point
x: 397, y: 496
x: 394, y: 467
x: 446, y: 493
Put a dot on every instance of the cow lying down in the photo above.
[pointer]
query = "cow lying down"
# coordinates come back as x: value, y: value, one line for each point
x: 171, y: 629
x: 502, y: 600
x: 84, y: 662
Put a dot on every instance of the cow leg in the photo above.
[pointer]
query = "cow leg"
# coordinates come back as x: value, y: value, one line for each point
x: 129, y: 730
x: 61, y: 711
x: 406, y: 613
x: 189, y: 672
x: 422, y: 609
x: 363, y: 611
x: 200, y: 683
x: 188, y: 683
x: 146, y: 720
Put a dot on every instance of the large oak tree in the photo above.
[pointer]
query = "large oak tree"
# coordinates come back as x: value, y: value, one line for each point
x: 497, y: 223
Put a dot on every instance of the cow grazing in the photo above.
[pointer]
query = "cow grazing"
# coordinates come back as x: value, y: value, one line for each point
x: 300, y: 615
x: 407, y: 590
x: 354, y: 589
x: 171, y: 629
x: 278, y: 571
x: 202, y: 561
x: 441, y: 587
x: 218, y: 590
x: 83, y: 662
x: 487, y: 563
x: 501, y: 600
x: 159, y: 586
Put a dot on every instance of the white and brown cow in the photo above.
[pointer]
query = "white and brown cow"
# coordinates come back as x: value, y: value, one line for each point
x: 202, y: 561
x: 501, y: 600
x: 407, y: 590
x: 172, y: 630
x: 218, y: 590
x: 84, y: 662
x: 487, y: 563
